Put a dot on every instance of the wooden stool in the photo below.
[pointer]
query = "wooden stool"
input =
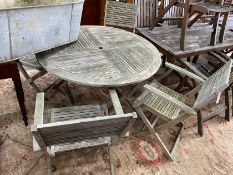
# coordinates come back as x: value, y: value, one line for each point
x: 10, y: 70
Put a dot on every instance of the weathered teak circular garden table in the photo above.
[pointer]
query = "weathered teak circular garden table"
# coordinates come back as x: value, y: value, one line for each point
x: 104, y: 57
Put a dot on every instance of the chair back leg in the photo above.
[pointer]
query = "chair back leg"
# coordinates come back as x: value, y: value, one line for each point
x: 215, y: 28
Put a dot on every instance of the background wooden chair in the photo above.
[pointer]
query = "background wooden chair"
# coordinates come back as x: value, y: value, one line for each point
x: 79, y: 127
x: 119, y: 14
x: 194, y: 11
x: 173, y: 107
x: 217, y: 7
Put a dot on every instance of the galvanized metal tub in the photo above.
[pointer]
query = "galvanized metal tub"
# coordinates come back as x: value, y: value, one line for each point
x: 31, y: 28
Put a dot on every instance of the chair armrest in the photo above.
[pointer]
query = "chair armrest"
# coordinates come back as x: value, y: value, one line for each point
x: 184, y: 72
x: 38, y: 117
x: 39, y: 109
x: 170, y: 99
x: 116, y: 102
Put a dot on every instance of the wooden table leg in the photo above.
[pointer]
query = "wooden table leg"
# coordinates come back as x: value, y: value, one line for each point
x: 20, y: 93
x: 10, y: 70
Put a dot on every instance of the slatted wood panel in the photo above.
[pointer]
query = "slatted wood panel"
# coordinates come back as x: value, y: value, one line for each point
x: 120, y: 14
x: 76, y: 112
x: 104, y: 56
x: 214, y: 85
x: 146, y: 12
x: 83, y: 129
x: 157, y: 104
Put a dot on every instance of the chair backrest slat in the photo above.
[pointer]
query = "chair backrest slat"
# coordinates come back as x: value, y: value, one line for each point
x: 120, y: 14
x: 83, y: 129
x: 214, y: 85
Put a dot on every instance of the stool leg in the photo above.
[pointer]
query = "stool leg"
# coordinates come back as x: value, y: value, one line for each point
x: 20, y: 97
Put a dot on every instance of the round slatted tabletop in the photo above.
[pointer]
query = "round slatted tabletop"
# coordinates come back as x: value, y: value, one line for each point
x: 104, y: 57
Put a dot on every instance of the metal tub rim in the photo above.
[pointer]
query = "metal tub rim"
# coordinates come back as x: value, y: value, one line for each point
x: 41, y: 6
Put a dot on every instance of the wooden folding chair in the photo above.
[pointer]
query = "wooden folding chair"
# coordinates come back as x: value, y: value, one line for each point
x: 222, y: 59
x: 119, y: 14
x: 173, y: 107
x: 31, y: 63
x: 79, y: 127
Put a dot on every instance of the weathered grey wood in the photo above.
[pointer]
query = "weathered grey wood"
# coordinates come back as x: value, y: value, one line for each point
x: 178, y: 137
x: 39, y: 143
x: 83, y: 128
x: 104, y: 56
x: 214, y: 85
x: 39, y: 109
x: 184, y: 72
x: 79, y: 126
x: 155, y: 134
x: 84, y: 144
x: 215, y: 28
x: 38, y: 118
x: 198, y: 40
x: 120, y: 14
x: 184, y: 25
x: 170, y: 99
x: 25, y: 74
x: 129, y: 125
x: 110, y: 159
x: 49, y: 165
x: 30, y: 61
x: 223, y: 27
x: 213, y: 114
x: 193, y: 68
x: 76, y: 112
x: 116, y: 102
x: 211, y: 7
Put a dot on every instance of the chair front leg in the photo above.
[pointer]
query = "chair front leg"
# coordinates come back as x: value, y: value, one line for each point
x: 110, y: 159
x: 49, y: 165
x: 152, y: 131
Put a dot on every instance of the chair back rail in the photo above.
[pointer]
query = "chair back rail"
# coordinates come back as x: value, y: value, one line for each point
x: 120, y: 14
x: 213, y: 86
x: 83, y: 129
